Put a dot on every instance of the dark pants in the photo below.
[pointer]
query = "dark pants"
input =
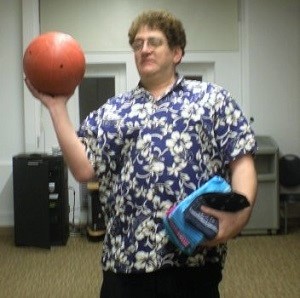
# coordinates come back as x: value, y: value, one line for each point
x: 165, y: 283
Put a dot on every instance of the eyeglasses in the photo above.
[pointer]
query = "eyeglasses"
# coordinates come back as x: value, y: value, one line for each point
x: 152, y: 43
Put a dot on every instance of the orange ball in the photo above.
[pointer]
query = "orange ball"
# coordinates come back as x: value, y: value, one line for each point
x: 54, y: 63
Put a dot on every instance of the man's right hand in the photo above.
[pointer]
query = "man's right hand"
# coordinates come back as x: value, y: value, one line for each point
x: 46, y: 99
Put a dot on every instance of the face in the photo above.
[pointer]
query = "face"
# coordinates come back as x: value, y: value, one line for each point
x: 153, y: 57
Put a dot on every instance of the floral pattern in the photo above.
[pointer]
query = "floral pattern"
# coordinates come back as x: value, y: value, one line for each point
x: 150, y: 154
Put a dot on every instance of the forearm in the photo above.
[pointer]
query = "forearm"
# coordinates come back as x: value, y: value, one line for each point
x: 244, y: 178
x: 243, y: 181
x: 72, y: 149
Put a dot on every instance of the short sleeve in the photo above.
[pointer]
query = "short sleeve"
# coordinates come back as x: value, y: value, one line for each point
x: 101, y: 140
x: 233, y: 132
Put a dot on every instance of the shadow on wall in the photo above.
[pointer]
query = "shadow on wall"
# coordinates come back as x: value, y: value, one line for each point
x: 6, y: 195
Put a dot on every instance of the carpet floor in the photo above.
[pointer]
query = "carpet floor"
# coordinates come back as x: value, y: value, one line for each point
x: 266, y: 266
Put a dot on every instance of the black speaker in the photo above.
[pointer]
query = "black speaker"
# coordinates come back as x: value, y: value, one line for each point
x: 41, y: 203
x: 289, y: 170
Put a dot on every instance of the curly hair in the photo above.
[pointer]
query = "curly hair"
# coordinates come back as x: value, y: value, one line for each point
x: 160, y: 20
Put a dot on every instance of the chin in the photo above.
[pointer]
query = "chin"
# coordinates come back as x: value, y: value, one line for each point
x: 147, y: 72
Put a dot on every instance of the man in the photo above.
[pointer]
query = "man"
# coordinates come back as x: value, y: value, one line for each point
x: 150, y: 148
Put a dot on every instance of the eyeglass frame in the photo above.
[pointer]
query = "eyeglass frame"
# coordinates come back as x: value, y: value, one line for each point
x: 152, y: 42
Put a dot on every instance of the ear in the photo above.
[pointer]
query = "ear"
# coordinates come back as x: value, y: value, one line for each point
x: 177, y: 55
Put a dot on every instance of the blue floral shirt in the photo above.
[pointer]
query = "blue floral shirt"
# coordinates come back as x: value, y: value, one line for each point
x: 149, y: 154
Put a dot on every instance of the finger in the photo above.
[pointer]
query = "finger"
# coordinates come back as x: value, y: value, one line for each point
x: 31, y: 88
x: 214, y: 242
x: 210, y: 211
x: 28, y: 84
x: 210, y: 243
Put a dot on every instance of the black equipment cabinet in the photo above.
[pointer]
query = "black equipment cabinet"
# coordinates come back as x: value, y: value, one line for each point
x: 41, y: 204
x: 96, y: 223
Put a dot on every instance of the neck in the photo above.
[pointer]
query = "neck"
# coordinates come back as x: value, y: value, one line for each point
x: 158, y: 87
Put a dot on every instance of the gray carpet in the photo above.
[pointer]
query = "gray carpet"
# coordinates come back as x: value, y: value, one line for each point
x: 257, y: 266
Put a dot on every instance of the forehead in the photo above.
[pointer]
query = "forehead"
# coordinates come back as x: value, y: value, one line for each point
x: 146, y: 32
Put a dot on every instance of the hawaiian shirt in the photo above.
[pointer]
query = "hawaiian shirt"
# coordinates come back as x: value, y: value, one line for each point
x: 150, y: 154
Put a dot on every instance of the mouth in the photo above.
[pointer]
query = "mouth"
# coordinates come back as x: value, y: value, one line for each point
x: 147, y: 61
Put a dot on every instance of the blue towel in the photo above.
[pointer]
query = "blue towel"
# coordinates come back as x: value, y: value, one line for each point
x: 192, y: 236
x: 203, y: 222
x: 229, y: 201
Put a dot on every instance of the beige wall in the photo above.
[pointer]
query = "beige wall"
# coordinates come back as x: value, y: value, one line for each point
x: 102, y: 25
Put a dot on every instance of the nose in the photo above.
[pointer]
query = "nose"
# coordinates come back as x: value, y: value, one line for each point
x: 146, y: 47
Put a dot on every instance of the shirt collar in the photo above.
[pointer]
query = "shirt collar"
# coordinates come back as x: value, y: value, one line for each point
x: 178, y: 80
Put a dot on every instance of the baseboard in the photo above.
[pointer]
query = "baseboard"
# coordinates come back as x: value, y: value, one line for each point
x: 6, y: 231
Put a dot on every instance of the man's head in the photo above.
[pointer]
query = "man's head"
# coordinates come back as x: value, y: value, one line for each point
x: 163, y: 21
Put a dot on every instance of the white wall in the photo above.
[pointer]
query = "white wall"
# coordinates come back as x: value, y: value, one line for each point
x: 11, y: 101
x: 274, y: 70
x: 115, y: 17
x: 263, y: 75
